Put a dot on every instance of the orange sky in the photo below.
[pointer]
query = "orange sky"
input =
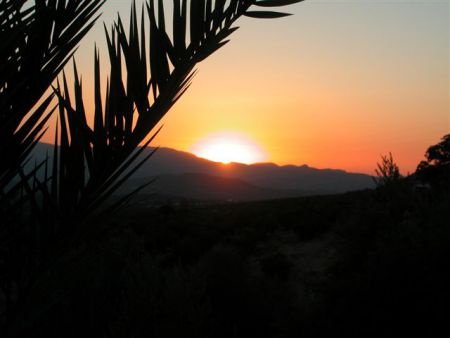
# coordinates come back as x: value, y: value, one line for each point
x: 334, y: 86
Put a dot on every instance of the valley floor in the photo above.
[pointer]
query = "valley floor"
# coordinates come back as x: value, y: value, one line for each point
x: 362, y: 264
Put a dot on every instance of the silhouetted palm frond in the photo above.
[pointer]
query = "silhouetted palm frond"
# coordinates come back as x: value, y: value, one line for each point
x: 37, y: 38
x: 149, y: 73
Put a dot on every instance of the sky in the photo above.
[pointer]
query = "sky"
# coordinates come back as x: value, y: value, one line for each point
x: 336, y: 85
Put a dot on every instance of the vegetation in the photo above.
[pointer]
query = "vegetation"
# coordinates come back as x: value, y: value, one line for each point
x: 42, y: 219
x: 436, y: 169
x: 136, y: 99
x: 362, y: 264
x: 38, y: 38
x: 387, y: 171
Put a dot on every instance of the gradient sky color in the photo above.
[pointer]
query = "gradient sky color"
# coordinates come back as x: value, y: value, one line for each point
x: 334, y: 86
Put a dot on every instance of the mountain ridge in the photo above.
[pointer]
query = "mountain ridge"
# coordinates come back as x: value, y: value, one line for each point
x: 256, y: 164
x: 269, y: 179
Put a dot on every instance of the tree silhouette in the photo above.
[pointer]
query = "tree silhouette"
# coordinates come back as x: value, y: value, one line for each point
x: 436, y: 169
x: 387, y: 171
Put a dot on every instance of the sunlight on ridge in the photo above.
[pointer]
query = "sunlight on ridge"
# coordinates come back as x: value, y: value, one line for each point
x: 227, y: 147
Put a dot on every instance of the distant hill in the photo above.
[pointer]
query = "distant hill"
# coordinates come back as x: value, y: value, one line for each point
x: 183, y: 174
x: 204, y: 187
x: 304, y: 179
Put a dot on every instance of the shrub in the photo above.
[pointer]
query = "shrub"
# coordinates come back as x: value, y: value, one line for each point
x: 387, y: 171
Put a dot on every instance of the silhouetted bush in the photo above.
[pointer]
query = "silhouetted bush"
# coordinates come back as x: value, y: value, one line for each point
x: 387, y: 171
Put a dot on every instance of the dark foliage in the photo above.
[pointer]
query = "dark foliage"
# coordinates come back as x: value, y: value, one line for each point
x: 364, y: 264
x: 37, y: 38
x: 388, y: 172
x: 436, y: 169
x: 188, y: 272
x: 89, y: 162
x: 148, y: 75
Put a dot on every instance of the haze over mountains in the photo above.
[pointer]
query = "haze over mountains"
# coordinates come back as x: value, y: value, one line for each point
x: 180, y: 174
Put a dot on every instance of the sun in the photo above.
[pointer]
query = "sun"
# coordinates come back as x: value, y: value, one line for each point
x: 229, y: 147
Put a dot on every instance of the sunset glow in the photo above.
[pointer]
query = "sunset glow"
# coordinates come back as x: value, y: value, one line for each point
x: 333, y: 86
x: 229, y: 147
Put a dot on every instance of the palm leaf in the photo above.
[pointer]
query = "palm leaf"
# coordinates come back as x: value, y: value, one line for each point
x: 265, y: 14
x: 37, y: 41
x: 130, y: 115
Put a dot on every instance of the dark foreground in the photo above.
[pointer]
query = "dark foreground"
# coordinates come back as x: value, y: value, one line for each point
x: 364, y: 264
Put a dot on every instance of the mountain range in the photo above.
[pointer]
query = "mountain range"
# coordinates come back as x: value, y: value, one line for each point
x: 178, y: 174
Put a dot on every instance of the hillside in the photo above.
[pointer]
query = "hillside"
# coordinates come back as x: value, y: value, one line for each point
x: 234, y: 181
x: 361, y: 264
x: 204, y: 187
